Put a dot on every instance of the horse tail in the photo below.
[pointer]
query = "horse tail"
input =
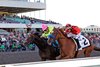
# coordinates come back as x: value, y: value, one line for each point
x: 96, y: 48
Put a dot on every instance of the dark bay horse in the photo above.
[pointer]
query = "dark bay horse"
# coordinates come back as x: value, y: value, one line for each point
x: 45, y: 51
x: 68, y: 47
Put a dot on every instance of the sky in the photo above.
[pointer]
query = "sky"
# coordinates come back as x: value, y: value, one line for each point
x: 76, y: 12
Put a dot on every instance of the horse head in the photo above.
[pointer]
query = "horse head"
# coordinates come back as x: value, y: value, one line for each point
x: 36, y: 39
x: 58, y: 33
x: 32, y: 37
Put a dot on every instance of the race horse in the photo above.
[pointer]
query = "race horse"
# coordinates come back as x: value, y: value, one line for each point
x: 45, y: 51
x: 68, y: 46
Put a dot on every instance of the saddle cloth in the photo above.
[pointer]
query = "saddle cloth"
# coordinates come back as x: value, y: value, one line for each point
x: 82, y: 42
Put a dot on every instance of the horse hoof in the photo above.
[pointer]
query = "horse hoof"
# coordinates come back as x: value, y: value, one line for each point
x: 59, y: 57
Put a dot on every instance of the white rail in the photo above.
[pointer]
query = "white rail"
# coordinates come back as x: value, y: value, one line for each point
x: 80, y: 62
x: 42, y: 1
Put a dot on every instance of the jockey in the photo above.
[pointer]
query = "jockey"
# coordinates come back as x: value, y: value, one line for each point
x: 75, y: 32
x: 47, y: 34
x: 72, y: 31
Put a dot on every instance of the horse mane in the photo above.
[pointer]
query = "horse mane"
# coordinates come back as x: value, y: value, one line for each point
x: 36, y: 34
x: 40, y: 42
x: 62, y: 31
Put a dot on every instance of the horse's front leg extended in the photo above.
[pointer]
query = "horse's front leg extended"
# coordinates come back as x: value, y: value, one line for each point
x: 69, y: 56
x: 61, y: 55
x: 43, y: 59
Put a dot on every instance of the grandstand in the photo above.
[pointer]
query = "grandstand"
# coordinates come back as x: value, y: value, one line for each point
x: 10, y: 8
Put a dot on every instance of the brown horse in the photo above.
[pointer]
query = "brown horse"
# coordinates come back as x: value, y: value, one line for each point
x: 45, y: 51
x: 68, y: 47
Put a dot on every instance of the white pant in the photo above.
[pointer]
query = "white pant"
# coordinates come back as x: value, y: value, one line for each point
x: 82, y: 40
x: 74, y: 36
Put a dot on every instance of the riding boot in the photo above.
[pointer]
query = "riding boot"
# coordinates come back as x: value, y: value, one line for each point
x: 80, y: 48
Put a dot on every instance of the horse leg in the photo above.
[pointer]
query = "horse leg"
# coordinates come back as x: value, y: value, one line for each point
x: 61, y: 54
x: 87, y: 54
x: 76, y: 54
x: 88, y: 51
x: 43, y: 59
x: 59, y: 57
x: 42, y: 55
x: 52, y: 58
x: 68, y: 57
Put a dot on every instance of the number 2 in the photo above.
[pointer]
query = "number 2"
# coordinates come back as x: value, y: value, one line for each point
x: 85, y: 43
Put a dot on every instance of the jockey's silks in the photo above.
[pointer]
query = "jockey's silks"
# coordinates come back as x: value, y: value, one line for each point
x: 49, y: 32
x: 74, y: 30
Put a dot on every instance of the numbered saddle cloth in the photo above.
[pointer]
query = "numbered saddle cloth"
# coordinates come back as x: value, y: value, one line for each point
x: 81, y: 42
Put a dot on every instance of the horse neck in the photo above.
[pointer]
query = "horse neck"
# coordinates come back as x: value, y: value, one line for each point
x: 41, y: 44
x: 63, y: 37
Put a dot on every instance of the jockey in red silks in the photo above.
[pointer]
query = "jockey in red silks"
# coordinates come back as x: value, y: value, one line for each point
x: 75, y: 32
x: 72, y: 31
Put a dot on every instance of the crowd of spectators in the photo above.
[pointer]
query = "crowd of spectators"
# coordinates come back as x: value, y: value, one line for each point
x: 15, y: 42
x: 94, y: 38
x: 4, y: 18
